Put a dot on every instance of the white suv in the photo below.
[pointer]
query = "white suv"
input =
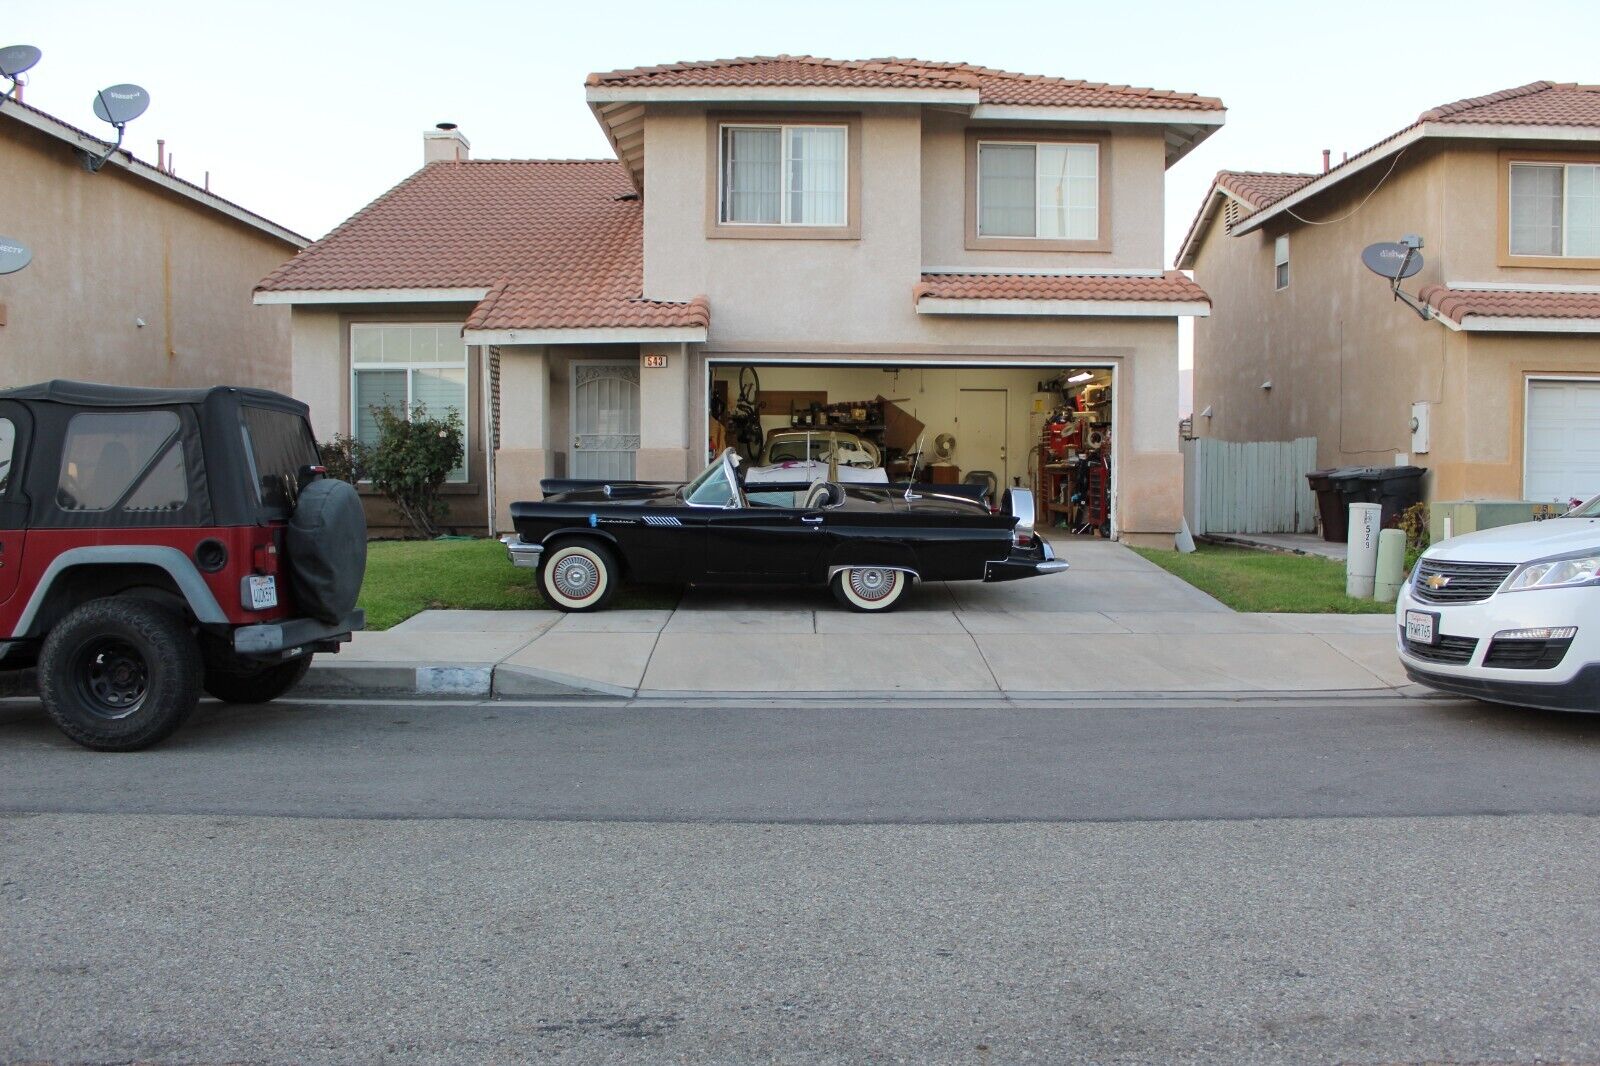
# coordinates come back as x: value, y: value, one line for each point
x: 1509, y: 614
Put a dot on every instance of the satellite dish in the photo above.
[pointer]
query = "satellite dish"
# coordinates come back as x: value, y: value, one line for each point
x: 1392, y: 260
x: 120, y: 104
x: 16, y: 58
x: 14, y: 255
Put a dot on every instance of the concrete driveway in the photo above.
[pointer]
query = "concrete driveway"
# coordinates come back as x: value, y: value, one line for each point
x: 1113, y: 623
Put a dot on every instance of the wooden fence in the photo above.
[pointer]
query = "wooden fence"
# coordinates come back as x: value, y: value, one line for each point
x: 1257, y: 487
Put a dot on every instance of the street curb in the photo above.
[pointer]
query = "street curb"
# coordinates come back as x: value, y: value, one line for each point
x: 450, y: 680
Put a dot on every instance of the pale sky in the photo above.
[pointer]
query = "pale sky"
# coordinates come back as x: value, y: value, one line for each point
x: 304, y: 111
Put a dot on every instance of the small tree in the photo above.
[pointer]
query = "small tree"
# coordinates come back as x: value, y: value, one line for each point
x: 345, y: 458
x: 411, y: 461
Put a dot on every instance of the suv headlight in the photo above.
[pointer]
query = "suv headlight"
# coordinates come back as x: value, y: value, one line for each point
x: 1557, y: 572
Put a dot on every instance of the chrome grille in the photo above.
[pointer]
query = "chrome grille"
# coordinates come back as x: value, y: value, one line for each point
x: 1459, y: 582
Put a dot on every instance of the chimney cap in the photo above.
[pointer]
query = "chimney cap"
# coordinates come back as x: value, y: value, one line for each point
x: 446, y: 126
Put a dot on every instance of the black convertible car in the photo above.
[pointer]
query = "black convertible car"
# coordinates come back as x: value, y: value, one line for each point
x: 869, y: 542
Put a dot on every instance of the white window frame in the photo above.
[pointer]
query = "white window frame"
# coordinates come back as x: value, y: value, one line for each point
x: 783, y: 129
x: 1099, y: 192
x: 466, y: 384
x: 1566, y: 176
x: 1280, y: 258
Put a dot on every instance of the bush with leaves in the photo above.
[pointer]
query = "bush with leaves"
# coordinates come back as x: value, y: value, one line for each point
x: 1414, y: 521
x: 410, y: 462
x: 345, y: 458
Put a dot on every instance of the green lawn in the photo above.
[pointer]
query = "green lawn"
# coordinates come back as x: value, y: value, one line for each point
x: 1250, y: 580
x: 407, y: 576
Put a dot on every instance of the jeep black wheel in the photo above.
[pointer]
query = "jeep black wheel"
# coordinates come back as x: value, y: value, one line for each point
x: 234, y: 680
x: 119, y: 674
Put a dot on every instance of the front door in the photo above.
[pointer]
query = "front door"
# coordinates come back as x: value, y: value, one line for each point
x: 605, y: 420
x: 981, y: 433
x: 14, y: 433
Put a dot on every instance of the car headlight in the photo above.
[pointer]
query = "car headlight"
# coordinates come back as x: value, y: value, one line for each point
x: 1558, y: 572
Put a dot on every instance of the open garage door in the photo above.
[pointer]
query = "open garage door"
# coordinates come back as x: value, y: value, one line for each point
x: 1048, y: 428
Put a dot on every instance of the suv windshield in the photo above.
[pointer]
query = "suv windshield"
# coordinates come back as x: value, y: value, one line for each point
x: 278, y: 445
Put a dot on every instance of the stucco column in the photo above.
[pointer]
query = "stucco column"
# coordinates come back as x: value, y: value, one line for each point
x: 523, y: 455
x: 1149, y: 464
x: 319, y: 374
x: 664, y: 394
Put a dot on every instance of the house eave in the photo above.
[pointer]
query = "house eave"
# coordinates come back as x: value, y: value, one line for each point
x: 367, y: 296
x: 935, y: 305
x: 594, y: 335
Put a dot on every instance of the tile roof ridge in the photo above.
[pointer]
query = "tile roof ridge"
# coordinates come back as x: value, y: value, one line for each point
x: 1456, y: 107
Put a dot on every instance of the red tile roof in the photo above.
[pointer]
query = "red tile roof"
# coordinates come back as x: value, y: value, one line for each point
x: 1457, y: 304
x: 1261, y: 188
x: 559, y: 244
x: 1171, y: 287
x: 994, y: 86
x: 1540, y: 103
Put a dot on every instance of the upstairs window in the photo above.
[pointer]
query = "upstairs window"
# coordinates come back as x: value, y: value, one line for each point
x: 783, y: 175
x: 1039, y: 190
x: 406, y: 367
x: 1555, y: 210
x: 1280, y: 263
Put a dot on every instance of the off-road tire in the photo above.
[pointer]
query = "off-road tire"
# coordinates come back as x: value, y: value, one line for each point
x: 566, y: 561
x: 235, y: 680
x: 119, y: 674
x: 871, y: 589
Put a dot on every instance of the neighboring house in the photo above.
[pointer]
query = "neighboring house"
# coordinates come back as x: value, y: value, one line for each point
x: 138, y: 277
x: 944, y: 236
x: 1502, y: 383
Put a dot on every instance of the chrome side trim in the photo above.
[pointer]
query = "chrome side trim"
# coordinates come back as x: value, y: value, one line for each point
x: 833, y: 570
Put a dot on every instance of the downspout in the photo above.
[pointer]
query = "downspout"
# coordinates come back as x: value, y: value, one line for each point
x: 491, y: 433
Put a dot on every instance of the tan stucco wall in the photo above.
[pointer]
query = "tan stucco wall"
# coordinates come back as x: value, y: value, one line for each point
x: 1347, y: 362
x: 111, y: 248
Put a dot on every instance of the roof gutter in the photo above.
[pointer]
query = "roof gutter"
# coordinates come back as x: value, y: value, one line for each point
x: 367, y: 296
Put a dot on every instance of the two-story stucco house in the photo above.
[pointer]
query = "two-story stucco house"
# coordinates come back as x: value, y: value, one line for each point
x: 974, y: 247
x: 1497, y: 391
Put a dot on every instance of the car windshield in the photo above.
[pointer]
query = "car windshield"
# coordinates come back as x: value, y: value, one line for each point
x: 711, y: 488
x: 1588, y: 510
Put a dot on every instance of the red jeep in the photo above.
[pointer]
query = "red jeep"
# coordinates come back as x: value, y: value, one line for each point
x: 157, y: 542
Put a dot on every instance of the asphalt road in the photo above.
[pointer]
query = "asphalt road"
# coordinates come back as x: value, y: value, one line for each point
x: 1378, y: 881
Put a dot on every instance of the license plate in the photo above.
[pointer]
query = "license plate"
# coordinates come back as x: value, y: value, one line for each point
x: 263, y: 592
x: 1422, y: 627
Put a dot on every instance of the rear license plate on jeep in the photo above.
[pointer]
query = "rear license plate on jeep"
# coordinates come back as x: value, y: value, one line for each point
x: 261, y: 591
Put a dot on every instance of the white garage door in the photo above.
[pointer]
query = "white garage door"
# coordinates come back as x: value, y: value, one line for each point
x: 1563, y: 460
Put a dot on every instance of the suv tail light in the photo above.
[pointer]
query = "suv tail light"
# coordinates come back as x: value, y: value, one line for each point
x: 265, y: 559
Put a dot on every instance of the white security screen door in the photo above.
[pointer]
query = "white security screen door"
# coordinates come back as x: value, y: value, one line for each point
x: 605, y: 420
x: 1563, y: 451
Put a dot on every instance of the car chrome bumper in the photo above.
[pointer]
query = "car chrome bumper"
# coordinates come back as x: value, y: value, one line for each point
x: 522, y: 552
x: 295, y: 636
x: 1025, y: 562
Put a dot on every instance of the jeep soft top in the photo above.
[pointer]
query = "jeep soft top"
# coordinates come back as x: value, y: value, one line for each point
x: 156, y: 542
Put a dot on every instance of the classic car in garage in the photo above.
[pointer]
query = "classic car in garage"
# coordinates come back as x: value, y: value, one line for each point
x: 869, y: 543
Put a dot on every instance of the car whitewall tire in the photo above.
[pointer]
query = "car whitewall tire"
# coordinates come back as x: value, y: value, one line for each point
x: 871, y: 588
x: 578, y: 576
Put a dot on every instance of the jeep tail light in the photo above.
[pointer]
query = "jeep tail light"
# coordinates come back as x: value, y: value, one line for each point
x: 265, y: 560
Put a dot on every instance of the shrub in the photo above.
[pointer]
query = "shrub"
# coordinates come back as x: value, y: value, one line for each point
x: 411, y: 461
x: 345, y: 457
x: 1414, y: 522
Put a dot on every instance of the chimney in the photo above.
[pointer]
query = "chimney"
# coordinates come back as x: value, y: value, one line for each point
x: 1327, y: 154
x: 444, y: 143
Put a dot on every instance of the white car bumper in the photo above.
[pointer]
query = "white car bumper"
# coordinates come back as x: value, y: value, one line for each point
x: 1508, y: 671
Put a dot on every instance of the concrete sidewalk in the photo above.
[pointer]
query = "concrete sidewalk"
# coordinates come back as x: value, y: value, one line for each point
x: 1114, y: 623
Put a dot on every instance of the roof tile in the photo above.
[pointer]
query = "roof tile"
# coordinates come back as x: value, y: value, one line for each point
x: 1173, y: 286
x: 559, y: 244
x: 1457, y: 304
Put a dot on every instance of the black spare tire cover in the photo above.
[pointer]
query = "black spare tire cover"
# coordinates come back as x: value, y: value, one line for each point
x: 327, y: 549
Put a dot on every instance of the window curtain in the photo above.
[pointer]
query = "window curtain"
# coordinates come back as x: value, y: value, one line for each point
x: 1006, y: 205
x: 1069, y: 191
x: 752, y: 183
x: 817, y: 176
x: 1536, y: 210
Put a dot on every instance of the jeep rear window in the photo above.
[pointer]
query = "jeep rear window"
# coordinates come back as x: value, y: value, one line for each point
x: 8, y: 445
x: 134, y: 458
x: 279, y: 445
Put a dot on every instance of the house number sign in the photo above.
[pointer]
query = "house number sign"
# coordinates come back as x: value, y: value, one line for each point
x: 655, y: 362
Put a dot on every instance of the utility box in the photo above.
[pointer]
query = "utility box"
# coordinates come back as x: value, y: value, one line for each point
x: 1469, y: 516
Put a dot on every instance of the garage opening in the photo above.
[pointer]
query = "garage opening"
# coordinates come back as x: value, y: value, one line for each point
x: 1047, y: 428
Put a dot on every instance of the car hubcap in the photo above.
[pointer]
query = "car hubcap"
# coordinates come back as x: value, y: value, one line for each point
x: 577, y: 577
x: 872, y: 583
x: 113, y: 677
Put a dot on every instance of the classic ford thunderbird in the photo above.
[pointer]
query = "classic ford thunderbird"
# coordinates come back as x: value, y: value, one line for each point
x: 868, y: 542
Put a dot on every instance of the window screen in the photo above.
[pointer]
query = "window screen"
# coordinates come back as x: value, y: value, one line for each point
x: 111, y: 455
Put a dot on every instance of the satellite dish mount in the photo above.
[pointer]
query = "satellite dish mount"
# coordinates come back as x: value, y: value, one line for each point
x: 118, y: 105
x: 14, y: 60
x: 1398, y: 260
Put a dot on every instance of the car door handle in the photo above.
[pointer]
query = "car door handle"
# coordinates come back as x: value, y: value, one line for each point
x: 811, y: 521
